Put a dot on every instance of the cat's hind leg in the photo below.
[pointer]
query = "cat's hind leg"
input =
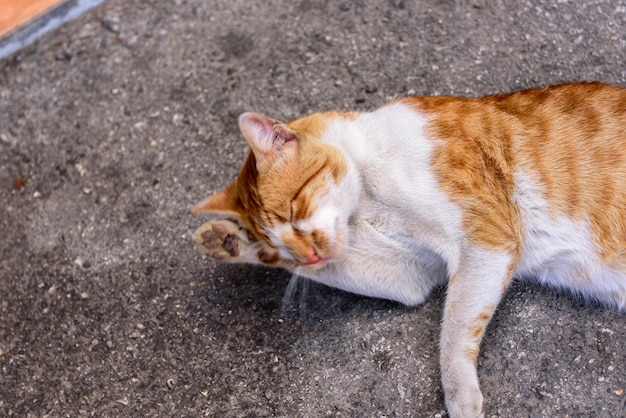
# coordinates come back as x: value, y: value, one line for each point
x: 226, y: 240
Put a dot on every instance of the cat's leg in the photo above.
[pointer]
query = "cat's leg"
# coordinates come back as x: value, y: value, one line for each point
x: 472, y: 296
x: 226, y: 240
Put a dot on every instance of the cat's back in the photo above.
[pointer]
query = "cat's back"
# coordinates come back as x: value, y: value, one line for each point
x: 572, y: 136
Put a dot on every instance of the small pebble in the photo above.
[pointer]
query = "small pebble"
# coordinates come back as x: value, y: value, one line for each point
x: 112, y: 24
x: 81, y: 170
x: 177, y: 119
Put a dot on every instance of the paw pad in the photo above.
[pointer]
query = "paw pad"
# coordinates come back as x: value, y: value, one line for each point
x: 230, y: 244
x: 220, y: 239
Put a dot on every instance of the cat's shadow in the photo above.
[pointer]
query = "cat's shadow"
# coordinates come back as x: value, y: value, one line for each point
x: 312, y: 302
x: 258, y: 290
x: 268, y: 303
x: 551, y: 299
x: 268, y: 291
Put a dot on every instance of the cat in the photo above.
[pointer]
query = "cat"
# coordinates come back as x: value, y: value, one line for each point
x: 429, y: 191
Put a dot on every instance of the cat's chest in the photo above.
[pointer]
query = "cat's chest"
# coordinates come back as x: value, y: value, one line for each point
x: 404, y: 227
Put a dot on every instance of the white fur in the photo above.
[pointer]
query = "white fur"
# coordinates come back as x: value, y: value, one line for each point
x: 274, y: 234
x: 476, y: 290
x: 559, y: 251
x: 331, y: 217
x: 405, y: 235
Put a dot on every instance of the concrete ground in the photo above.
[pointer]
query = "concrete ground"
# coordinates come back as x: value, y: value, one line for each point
x: 114, y: 125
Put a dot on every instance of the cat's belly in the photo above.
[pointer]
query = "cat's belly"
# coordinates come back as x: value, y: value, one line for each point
x: 560, y: 252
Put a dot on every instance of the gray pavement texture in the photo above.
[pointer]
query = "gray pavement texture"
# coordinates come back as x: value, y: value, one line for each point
x: 112, y: 126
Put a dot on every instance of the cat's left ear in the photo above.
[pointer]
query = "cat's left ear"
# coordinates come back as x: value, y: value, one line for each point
x: 220, y: 203
x: 267, y: 137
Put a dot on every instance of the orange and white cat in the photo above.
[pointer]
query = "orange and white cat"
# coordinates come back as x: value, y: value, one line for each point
x: 430, y: 191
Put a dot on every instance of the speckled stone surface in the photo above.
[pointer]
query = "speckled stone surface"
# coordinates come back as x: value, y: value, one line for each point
x: 112, y: 126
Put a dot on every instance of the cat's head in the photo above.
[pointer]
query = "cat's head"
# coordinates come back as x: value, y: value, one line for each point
x: 291, y: 192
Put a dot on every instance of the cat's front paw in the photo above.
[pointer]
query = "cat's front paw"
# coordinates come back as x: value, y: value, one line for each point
x: 466, y: 402
x: 223, y: 240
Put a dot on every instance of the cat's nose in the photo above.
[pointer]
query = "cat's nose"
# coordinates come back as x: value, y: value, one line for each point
x: 312, y: 257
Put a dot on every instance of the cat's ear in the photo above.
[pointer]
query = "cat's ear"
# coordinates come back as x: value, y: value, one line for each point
x: 267, y: 137
x: 219, y: 203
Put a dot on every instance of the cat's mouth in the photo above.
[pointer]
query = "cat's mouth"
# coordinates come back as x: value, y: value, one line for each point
x: 314, y: 250
x: 314, y: 261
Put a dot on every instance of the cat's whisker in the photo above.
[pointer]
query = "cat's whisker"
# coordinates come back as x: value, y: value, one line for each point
x: 304, y: 292
x: 297, y: 284
x: 290, y: 292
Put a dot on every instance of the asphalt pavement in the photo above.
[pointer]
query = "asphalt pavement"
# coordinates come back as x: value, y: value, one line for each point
x: 113, y: 125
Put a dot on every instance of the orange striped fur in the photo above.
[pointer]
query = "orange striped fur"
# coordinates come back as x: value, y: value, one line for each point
x: 572, y: 135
